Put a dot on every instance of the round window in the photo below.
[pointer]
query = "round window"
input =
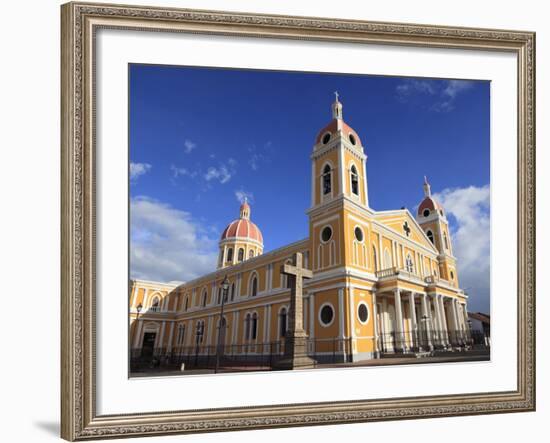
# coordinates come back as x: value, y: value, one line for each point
x: 326, y: 234
x: 326, y: 138
x: 352, y: 139
x: 363, y: 313
x: 358, y: 234
x: 326, y: 315
x: 426, y: 212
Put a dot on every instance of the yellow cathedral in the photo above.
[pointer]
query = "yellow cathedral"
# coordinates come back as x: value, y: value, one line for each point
x: 384, y: 282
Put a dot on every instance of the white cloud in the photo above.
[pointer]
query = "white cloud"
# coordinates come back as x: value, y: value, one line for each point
x: 444, y: 93
x: 180, y: 172
x: 188, y: 146
x: 222, y: 173
x: 470, y: 208
x: 257, y: 156
x: 138, y: 169
x: 167, y: 244
x: 241, y: 195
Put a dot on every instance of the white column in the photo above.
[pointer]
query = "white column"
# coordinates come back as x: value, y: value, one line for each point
x: 189, y: 333
x: 443, y: 319
x: 133, y: 297
x: 375, y: 320
x: 342, y: 169
x: 414, y: 326
x: 341, y: 322
x: 268, y: 323
x: 458, y: 326
x: 438, y: 325
x: 365, y: 183
x: 161, y: 337
x: 352, y: 320
x: 169, y: 346
x: 427, y: 316
x: 382, y: 265
x: 137, y: 336
x: 311, y: 315
x: 399, y: 320
x: 236, y: 328
x: 313, y: 183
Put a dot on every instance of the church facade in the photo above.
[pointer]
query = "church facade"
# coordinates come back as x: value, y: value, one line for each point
x: 383, y: 282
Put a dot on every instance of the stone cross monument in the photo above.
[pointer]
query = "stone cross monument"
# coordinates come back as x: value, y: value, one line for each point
x: 296, y: 338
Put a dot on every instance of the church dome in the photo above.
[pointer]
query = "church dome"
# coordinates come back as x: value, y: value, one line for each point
x: 243, y: 228
x: 332, y: 128
x: 429, y: 204
x: 336, y: 125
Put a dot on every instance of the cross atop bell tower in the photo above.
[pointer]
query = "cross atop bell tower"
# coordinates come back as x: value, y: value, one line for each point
x: 336, y: 107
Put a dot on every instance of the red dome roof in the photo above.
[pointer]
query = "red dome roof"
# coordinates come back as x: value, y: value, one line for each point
x: 243, y: 228
x: 332, y: 127
x: 429, y: 203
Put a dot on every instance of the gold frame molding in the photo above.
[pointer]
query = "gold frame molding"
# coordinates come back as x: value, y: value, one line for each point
x: 79, y: 22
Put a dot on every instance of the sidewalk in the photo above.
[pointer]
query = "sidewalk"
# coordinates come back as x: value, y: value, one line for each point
x: 393, y: 361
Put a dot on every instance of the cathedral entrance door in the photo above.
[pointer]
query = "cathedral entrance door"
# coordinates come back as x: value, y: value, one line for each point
x: 148, y: 346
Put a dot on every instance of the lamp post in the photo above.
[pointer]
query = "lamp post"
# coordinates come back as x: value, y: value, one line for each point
x: 138, y: 309
x: 225, y: 287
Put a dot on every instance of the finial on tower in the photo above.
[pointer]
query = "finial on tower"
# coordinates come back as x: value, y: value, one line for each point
x: 245, y: 210
x: 337, y: 107
x: 427, y: 189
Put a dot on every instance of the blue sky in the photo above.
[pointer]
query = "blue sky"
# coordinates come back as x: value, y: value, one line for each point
x: 202, y: 138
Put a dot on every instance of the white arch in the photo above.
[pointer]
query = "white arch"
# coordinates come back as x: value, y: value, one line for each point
x: 352, y: 164
x: 253, y: 274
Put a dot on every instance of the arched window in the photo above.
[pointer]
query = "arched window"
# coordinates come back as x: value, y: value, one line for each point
x: 374, y: 259
x: 241, y: 254
x: 409, y: 264
x: 199, y: 332
x: 230, y: 254
x: 155, y: 306
x: 251, y: 253
x: 254, y: 287
x: 203, y: 299
x: 232, y: 291
x: 445, y: 241
x: 254, y: 327
x: 327, y: 185
x: 247, y: 327
x: 282, y: 322
x: 430, y: 235
x: 354, y: 180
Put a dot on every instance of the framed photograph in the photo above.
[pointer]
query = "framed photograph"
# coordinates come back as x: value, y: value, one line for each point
x: 283, y: 221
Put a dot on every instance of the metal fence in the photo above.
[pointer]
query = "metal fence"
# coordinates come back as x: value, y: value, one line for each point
x: 422, y: 340
x: 243, y: 356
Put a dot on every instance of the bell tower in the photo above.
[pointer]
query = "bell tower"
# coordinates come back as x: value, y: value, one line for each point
x: 338, y: 160
x: 338, y: 188
x: 432, y: 219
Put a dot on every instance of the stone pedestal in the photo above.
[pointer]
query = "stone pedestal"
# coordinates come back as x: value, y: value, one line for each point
x: 295, y: 356
x: 296, y: 353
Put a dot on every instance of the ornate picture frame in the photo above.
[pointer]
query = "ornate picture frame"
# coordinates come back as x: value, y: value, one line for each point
x: 80, y: 22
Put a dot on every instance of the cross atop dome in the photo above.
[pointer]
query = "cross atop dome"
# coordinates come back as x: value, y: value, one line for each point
x: 336, y: 107
x: 427, y: 189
